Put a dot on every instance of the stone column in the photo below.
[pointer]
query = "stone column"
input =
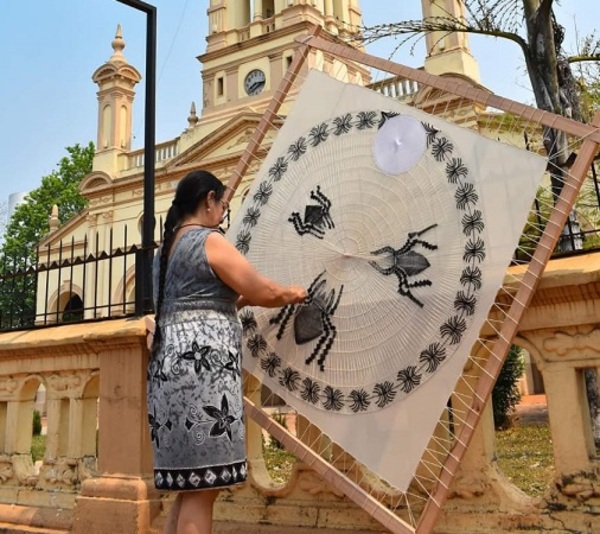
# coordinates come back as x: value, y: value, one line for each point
x: 258, y: 9
x: 79, y: 427
x: 12, y: 427
x: 122, y: 499
x: 569, y: 417
x: 53, y: 416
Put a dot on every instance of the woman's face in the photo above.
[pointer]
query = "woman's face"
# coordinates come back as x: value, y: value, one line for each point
x: 220, y: 210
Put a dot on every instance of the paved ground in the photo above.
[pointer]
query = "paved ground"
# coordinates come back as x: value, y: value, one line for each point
x: 533, y: 409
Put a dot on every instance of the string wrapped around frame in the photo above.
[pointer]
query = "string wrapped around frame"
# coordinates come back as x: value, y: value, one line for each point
x: 401, y: 226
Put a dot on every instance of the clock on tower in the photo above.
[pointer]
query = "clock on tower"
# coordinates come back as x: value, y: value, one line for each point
x: 254, y: 82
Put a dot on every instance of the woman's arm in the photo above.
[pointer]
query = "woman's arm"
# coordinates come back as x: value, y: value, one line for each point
x: 242, y: 302
x: 239, y: 274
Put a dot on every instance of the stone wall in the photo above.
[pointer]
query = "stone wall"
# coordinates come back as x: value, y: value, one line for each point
x: 96, y: 476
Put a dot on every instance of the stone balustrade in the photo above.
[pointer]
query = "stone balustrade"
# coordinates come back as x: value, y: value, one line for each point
x: 96, y: 476
x: 163, y: 152
x: 402, y: 89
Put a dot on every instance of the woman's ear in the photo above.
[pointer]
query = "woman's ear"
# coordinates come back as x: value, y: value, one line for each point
x: 210, y: 198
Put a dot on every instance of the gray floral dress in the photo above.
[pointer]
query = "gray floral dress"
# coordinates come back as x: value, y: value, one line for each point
x: 195, y: 406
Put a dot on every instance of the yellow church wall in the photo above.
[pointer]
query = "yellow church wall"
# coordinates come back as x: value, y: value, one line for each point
x: 463, y: 63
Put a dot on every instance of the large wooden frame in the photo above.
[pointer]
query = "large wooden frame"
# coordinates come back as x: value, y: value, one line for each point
x: 506, y: 333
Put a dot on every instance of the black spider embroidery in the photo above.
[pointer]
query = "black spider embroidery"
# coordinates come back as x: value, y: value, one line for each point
x: 312, y: 319
x: 317, y: 218
x: 407, y: 263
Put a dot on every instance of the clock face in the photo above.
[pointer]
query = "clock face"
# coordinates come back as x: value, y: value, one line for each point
x: 254, y: 82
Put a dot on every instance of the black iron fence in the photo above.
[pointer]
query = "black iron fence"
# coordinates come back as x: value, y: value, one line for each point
x: 99, y: 279
x: 71, y: 282
x: 581, y: 233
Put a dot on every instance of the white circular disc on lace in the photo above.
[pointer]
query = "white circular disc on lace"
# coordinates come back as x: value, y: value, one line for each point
x: 399, y: 144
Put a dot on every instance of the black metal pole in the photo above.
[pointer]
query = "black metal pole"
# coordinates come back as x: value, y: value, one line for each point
x: 143, y: 301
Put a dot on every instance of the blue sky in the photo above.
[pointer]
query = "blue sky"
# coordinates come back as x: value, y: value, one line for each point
x: 50, y: 50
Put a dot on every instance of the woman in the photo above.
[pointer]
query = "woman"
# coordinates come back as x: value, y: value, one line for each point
x: 195, y: 406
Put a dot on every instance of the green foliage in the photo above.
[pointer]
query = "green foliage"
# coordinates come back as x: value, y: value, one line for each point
x: 38, y: 448
x: 282, y: 420
x: 587, y: 74
x: 278, y: 461
x: 29, y: 222
x: 279, y: 464
x: 588, y: 216
x: 505, y: 395
x: 588, y: 213
x: 590, y: 98
x: 28, y: 225
x: 37, y: 423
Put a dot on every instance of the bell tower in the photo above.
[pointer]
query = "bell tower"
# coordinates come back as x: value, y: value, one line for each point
x: 116, y: 80
x: 250, y: 45
x: 448, y: 54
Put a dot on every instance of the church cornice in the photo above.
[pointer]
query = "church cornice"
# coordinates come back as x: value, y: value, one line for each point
x: 299, y: 27
x: 63, y: 232
x: 427, y: 97
x: 122, y: 71
x: 95, y: 181
x: 227, y: 131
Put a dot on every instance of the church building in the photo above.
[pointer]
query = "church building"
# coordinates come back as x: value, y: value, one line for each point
x: 248, y: 51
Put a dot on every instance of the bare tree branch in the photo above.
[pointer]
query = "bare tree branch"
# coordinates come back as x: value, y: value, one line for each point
x: 415, y: 28
x: 583, y: 58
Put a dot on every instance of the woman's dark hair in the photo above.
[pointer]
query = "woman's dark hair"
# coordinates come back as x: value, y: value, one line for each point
x: 191, y: 191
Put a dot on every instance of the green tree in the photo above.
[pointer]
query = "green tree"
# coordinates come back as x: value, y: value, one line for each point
x: 3, y: 216
x: 28, y: 225
x: 37, y: 423
x: 505, y: 395
x: 588, y: 77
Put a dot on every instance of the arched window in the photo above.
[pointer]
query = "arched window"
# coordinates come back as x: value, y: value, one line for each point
x: 73, y: 310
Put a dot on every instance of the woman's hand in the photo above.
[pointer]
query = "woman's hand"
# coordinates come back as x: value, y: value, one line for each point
x: 296, y: 294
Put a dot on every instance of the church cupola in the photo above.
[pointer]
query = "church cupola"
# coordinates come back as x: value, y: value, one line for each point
x: 116, y: 80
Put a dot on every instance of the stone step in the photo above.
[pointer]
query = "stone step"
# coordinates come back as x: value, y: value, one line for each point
x: 234, y: 527
x: 7, y: 528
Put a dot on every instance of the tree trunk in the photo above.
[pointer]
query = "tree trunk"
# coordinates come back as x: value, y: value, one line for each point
x: 542, y: 59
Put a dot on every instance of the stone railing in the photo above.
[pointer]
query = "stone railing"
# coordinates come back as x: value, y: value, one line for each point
x: 163, y: 152
x: 396, y: 87
x: 96, y: 475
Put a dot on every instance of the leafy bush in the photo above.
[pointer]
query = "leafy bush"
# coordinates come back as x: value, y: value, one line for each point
x: 505, y: 395
x: 282, y: 420
x: 38, y: 448
x: 37, y: 423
